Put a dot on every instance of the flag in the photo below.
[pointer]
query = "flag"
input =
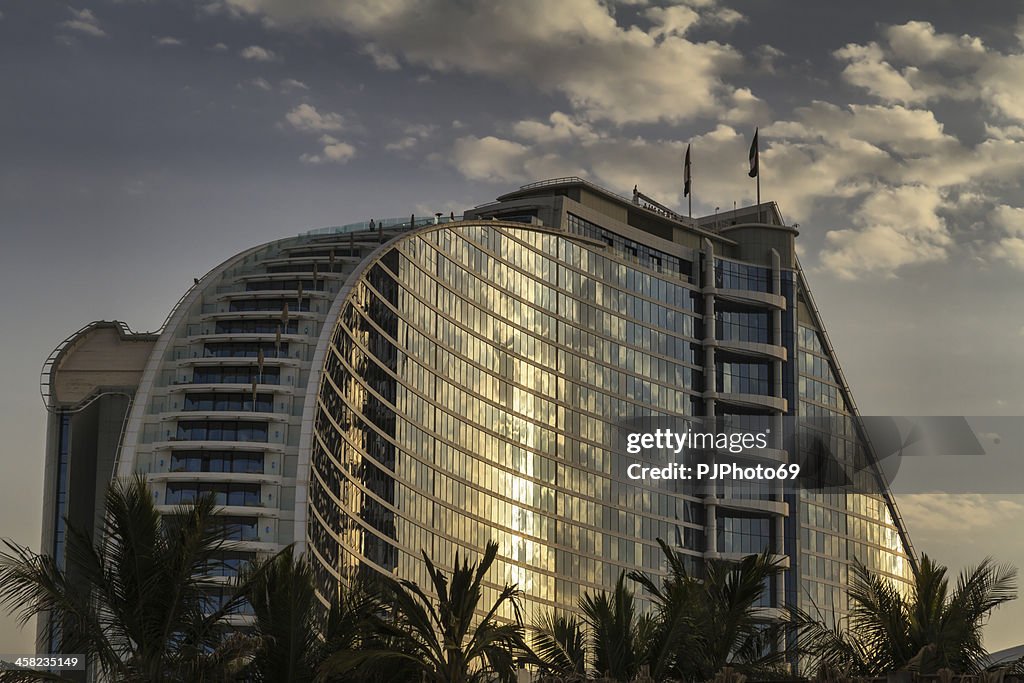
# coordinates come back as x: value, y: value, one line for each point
x: 260, y: 358
x: 753, y: 156
x: 686, y: 173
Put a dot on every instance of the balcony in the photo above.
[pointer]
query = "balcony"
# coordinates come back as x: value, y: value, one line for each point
x: 782, y: 560
x: 234, y: 510
x: 270, y: 479
x: 774, y: 507
x: 180, y: 387
x: 775, y: 403
x: 748, y: 348
x: 775, y: 455
x: 748, y: 297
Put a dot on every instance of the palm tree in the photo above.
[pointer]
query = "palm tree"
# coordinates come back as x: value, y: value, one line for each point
x: 147, y: 610
x: 296, y: 633
x: 442, y: 640
x: 284, y: 602
x: 707, y: 623
x: 350, y: 625
x: 934, y: 626
x: 620, y: 637
x: 560, y: 646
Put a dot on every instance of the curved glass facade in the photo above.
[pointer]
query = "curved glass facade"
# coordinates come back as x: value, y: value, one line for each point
x: 471, y: 392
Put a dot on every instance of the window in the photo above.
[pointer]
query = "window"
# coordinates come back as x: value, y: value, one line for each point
x: 230, y: 401
x: 221, y: 430
x: 246, y: 462
x: 743, y: 378
x: 747, y: 326
x: 744, y: 534
x: 263, y: 326
x: 268, y: 305
x: 244, y: 374
x: 731, y: 275
x: 652, y: 258
x: 285, y: 285
x: 245, y: 350
x: 215, y: 599
x: 246, y: 495
x: 228, y: 563
x: 238, y: 528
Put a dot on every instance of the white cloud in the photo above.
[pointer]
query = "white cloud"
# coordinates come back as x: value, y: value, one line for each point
x: 493, y: 159
x: 897, y: 227
x: 219, y: 47
x: 257, y: 54
x: 900, y: 171
x: 906, y: 132
x: 402, y: 144
x: 489, y: 158
x: 334, y: 152
x: 917, y: 42
x: 946, y: 513
x: 414, y: 134
x: 678, y: 19
x: 84, y: 21
x: 607, y: 71
x: 675, y: 20
x: 259, y: 83
x: 560, y: 127
x: 867, y: 68
x: 745, y: 108
x: 1010, y: 246
x: 167, y: 41
x: 383, y: 59
x: 1000, y: 80
x: 305, y: 117
x: 421, y: 130
x: 293, y: 84
x: 767, y: 56
x: 1009, y: 219
x: 917, y: 64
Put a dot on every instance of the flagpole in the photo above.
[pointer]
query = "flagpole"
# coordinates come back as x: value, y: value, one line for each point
x: 758, y: 179
x: 755, y: 168
x: 688, y: 181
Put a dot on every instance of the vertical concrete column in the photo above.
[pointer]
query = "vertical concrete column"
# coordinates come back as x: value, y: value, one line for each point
x: 777, y: 425
x: 708, y: 285
x: 711, y: 526
x: 777, y: 319
x: 710, y: 385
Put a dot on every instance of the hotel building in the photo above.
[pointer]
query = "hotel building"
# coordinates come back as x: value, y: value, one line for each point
x: 369, y: 392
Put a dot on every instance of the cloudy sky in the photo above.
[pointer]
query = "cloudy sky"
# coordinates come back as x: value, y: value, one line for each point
x: 143, y: 142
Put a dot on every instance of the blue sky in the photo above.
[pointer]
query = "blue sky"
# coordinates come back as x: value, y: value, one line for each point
x: 143, y: 142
